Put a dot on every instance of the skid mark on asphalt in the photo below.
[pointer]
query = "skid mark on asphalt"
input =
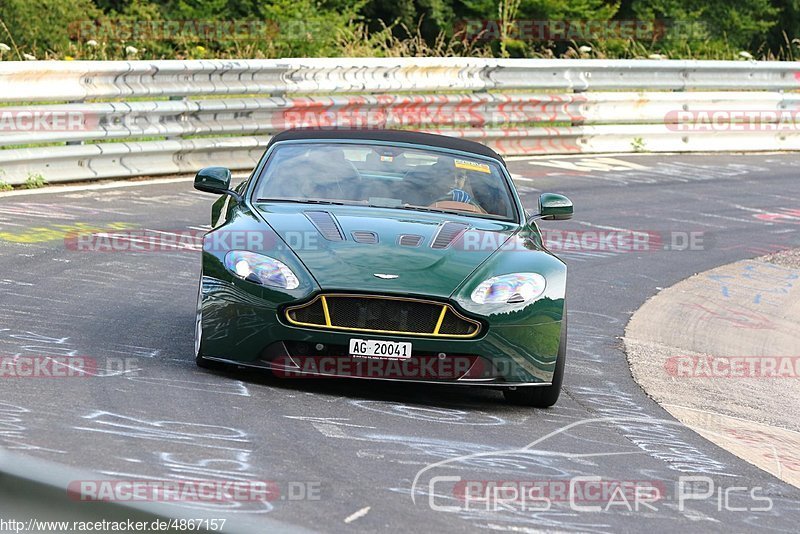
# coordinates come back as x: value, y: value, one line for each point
x: 38, y: 345
x: 376, y: 442
x: 592, y: 164
x: 619, y: 172
x: 782, y: 215
x: 659, y: 438
x: 357, y: 514
x: 581, y: 453
x: 428, y: 414
x: 218, y: 454
x: 776, y: 449
x: 57, y: 232
x: 15, y: 432
x: 756, y: 281
x: 644, y: 432
x: 8, y: 282
x: 221, y: 386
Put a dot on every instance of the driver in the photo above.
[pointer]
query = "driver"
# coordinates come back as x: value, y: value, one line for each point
x: 461, y: 191
x: 446, y: 186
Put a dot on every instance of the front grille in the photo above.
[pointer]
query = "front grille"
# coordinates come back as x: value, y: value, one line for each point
x: 313, y: 313
x: 379, y: 314
x: 453, y: 325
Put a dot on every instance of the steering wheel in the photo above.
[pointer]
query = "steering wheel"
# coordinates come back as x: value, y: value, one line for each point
x: 447, y: 204
x: 458, y: 200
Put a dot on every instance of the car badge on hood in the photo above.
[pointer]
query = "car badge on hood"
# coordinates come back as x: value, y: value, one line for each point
x: 385, y: 276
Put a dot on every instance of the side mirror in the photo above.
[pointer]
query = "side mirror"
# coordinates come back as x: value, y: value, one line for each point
x: 553, y: 207
x: 215, y: 180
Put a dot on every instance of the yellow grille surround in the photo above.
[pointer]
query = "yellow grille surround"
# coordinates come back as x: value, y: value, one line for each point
x: 382, y: 314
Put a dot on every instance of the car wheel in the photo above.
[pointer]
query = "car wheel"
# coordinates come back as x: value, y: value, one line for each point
x: 198, y: 338
x: 543, y: 397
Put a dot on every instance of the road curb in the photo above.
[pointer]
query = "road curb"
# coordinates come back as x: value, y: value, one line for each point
x: 720, y: 351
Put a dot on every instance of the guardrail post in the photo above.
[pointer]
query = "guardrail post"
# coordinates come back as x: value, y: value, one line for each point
x: 71, y: 143
x: 178, y: 98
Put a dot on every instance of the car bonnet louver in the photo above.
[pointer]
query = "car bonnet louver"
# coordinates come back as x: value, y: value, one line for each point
x: 409, y: 240
x: 326, y: 224
x: 447, y: 234
x: 365, y: 237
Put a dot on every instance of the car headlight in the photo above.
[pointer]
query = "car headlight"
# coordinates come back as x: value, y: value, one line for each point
x: 509, y: 289
x: 260, y: 269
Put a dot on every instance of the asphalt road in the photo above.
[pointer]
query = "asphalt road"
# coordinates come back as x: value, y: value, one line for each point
x: 357, y: 447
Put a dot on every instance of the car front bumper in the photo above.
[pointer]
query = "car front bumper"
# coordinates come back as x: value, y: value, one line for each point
x: 242, y: 329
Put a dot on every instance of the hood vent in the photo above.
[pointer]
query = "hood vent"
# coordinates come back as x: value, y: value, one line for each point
x: 326, y: 225
x: 368, y: 238
x: 448, y: 232
x: 409, y: 240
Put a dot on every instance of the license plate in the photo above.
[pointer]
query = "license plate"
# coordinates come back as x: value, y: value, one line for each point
x: 372, y: 348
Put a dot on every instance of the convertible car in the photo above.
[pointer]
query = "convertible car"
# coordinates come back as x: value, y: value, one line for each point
x: 383, y: 254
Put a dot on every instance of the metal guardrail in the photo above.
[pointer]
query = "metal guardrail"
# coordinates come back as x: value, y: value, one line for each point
x: 250, y: 116
x: 35, y: 496
x: 115, y: 109
x: 116, y: 79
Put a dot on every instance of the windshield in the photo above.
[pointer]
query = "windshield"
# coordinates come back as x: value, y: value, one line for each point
x: 385, y: 176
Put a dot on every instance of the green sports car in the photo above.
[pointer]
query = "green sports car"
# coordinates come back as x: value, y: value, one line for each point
x: 383, y: 254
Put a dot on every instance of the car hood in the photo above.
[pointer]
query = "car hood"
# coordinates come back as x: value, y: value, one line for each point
x: 345, y: 247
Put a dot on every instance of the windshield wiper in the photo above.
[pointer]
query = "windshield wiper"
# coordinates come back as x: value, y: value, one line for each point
x: 362, y: 203
x: 423, y: 208
x: 311, y: 201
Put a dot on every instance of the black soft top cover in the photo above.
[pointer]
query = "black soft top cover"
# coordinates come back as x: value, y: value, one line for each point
x: 391, y: 136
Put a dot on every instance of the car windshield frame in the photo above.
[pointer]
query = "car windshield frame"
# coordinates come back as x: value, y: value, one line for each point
x: 517, y: 211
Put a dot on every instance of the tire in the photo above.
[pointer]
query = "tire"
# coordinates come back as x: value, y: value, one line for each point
x: 198, y: 339
x: 207, y: 364
x: 543, y: 397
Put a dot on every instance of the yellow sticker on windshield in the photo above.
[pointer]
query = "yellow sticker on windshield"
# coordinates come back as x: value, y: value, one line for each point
x: 471, y: 166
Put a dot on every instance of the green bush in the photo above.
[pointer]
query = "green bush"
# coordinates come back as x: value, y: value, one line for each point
x: 42, y: 26
x: 709, y: 28
x: 171, y: 29
x: 34, y: 181
x: 4, y: 186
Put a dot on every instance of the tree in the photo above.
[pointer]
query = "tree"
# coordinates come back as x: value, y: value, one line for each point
x: 741, y: 24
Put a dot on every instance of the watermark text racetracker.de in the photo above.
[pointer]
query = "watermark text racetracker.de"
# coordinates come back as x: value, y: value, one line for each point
x: 706, y: 367
x: 441, y: 366
x: 733, y: 120
x: 47, y: 119
x: 615, y: 241
x: 472, y: 240
x: 150, y: 240
x: 33, y: 366
x: 193, y: 491
x: 571, y: 30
